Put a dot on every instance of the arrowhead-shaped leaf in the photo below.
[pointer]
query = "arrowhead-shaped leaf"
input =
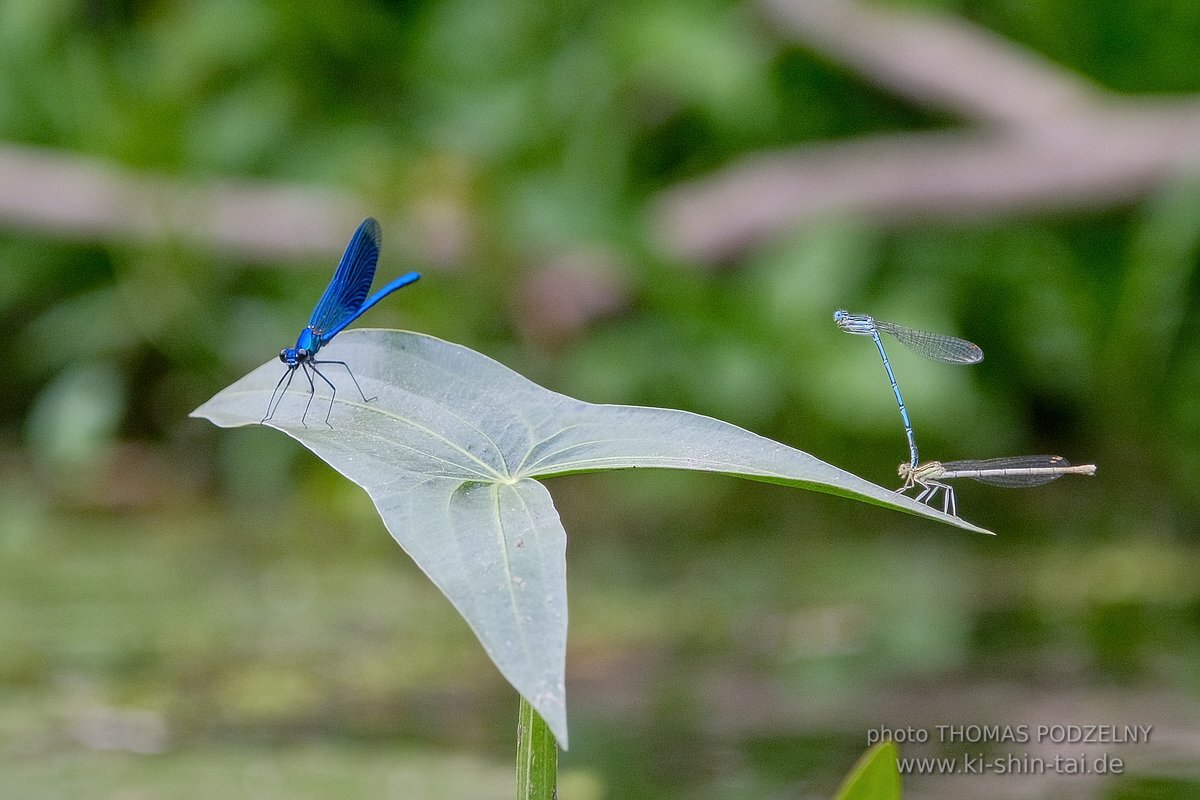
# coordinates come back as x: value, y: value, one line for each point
x: 449, y: 450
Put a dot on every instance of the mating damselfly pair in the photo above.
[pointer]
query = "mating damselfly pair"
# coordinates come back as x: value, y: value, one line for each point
x: 1011, y: 471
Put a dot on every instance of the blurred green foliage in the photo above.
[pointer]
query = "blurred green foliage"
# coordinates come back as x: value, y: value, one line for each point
x: 728, y: 640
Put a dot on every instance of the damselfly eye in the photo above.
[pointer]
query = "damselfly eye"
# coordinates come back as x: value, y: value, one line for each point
x: 302, y: 355
x: 283, y: 355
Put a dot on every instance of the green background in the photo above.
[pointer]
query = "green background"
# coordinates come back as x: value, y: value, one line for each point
x: 187, y: 612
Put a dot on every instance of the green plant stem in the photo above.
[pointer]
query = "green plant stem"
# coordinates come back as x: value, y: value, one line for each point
x: 537, y: 756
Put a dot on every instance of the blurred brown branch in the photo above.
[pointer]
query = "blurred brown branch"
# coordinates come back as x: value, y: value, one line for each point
x: 1037, y: 138
x: 76, y: 196
x: 1041, y: 139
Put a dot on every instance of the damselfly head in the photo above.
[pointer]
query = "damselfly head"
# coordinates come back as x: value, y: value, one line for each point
x: 294, y: 356
x: 859, y: 324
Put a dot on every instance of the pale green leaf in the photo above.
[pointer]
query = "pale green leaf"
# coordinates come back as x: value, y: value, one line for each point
x: 448, y: 450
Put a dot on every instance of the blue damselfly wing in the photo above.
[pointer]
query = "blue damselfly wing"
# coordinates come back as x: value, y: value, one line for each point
x: 344, y: 300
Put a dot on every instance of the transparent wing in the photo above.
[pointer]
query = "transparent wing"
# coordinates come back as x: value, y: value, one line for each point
x: 1010, y: 471
x: 934, y: 346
